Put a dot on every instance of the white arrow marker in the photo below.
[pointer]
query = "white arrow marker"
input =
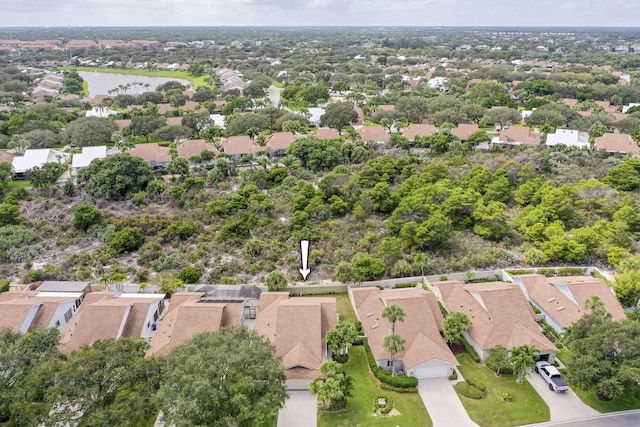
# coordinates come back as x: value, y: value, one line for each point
x: 304, y: 251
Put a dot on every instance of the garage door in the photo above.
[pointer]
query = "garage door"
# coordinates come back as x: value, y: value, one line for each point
x: 432, y: 372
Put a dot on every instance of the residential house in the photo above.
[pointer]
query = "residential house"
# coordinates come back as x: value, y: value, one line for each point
x: 152, y: 153
x: 325, y: 133
x: 190, y: 313
x: 619, y: 143
x: 315, y: 115
x: 373, y: 133
x: 464, y: 130
x: 101, y: 112
x: 218, y: 120
x: 568, y: 137
x: 571, y: 102
x: 122, y: 123
x: 562, y: 299
x: 517, y: 135
x: 37, y: 158
x: 6, y: 157
x: 89, y: 154
x: 105, y: 315
x: 174, y: 121
x: 360, y: 119
x: 499, y: 313
x: 24, y: 311
x: 278, y: 143
x: 195, y: 147
x: 242, y: 145
x: 426, y: 354
x: 59, y: 286
x: 297, y: 327
x: 606, y: 105
x: 419, y: 130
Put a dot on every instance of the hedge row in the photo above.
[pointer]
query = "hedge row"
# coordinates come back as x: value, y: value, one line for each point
x: 385, y: 377
x: 398, y: 389
x: 406, y: 285
x: 472, y: 352
x: 467, y: 390
x: 518, y: 272
x: 477, y: 383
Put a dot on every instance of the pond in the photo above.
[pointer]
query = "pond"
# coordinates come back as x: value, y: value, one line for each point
x: 102, y: 83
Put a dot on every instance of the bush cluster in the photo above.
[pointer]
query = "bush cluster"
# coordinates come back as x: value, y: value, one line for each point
x: 401, y: 382
x: 468, y: 390
x: 406, y: 285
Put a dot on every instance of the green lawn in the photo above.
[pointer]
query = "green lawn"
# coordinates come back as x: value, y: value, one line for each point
x: 527, y: 406
x: 19, y: 184
x: 345, y: 310
x: 277, y: 84
x: 361, y: 405
x: 195, y: 81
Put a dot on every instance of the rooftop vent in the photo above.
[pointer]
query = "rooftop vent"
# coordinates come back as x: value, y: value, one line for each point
x: 560, y: 308
x: 551, y: 300
x: 375, y: 326
x: 370, y: 314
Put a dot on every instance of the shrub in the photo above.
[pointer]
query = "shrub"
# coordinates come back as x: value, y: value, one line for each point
x: 477, y: 383
x: 384, y: 376
x: 189, y: 274
x: 443, y: 278
x: 128, y: 239
x: 398, y: 389
x: 387, y: 408
x: 548, y: 272
x: 275, y: 280
x: 571, y: 271
x: 406, y: 285
x: 518, y: 272
x: 181, y: 230
x: 5, y: 284
x: 469, y: 348
x: 507, y: 397
x: 468, y: 390
x: 454, y: 376
x: 86, y: 216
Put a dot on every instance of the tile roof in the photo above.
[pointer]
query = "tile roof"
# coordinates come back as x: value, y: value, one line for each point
x: 325, y: 133
x: 280, y: 140
x: 519, y: 135
x: 373, y: 133
x: 571, y: 292
x: 6, y: 157
x: 192, y: 147
x: 122, y: 123
x: 616, y: 143
x: 242, y: 144
x: 499, y: 312
x: 464, y: 130
x: 419, y: 130
x: 420, y: 329
x: 16, y: 306
x: 151, y: 152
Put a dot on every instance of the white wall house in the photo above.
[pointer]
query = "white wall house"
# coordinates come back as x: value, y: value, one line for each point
x: 37, y: 157
x: 568, y: 137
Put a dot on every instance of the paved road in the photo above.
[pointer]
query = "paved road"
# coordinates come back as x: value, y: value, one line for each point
x: 443, y: 404
x: 563, y: 406
x: 301, y: 409
x: 618, y: 419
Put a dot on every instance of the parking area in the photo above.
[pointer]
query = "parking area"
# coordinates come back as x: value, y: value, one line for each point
x: 443, y: 404
x: 563, y: 406
x: 299, y: 410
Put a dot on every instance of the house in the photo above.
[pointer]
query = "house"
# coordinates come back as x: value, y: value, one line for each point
x: 419, y: 130
x: 571, y: 102
x: 500, y: 315
x: 315, y: 115
x: 218, y: 120
x: 278, y: 143
x: 6, y: 157
x: 426, y: 355
x: 373, y: 133
x: 568, y: 137
x: 152, y: 153
x: 297, y: 327
x: 122, y: 123
x: 89, y: 154
x: 620, y: 143
x: 238, y: 146
x: 25, y: 311
x: 37, y: 158
x: 325, y: 133
x: 464, y: 130
x: 101, y: 112
x: 190, y: 313
x: 607, y: 107
x: 174, y: 121
x: 562, y: 299
x: 105, y: 315
x: 360, y: 119
x: 59, y: 286
x: 195, y: 147
x: 517, y: 135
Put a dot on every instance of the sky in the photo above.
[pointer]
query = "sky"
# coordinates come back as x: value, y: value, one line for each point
x: 319, y: 12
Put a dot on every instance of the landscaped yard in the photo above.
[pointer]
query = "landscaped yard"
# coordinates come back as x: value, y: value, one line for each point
x: 361, y: 405
x: 344, y: 307
x: 527, y: 406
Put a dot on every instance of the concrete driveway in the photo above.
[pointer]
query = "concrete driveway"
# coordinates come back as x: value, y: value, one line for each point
x: 301, y: 409
x: 563, y: 406
x: 443, y: 404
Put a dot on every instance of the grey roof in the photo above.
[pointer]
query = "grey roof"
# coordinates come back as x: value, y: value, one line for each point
x: 226, y: 291
x: 55, y: 286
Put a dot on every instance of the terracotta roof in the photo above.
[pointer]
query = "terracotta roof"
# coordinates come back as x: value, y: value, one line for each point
x: 373, y: 133
x: 192, y: 147
x: 16, y: 307
x: 360, y: 113
x: 98, y: 99
x: 174, y: 121
x: 6, y: 157
x: 325, y: 133
x: 280, y: 140
x: 104, y: 315
x: 122, y: 123
x: 297, y: 328
x: 608, y: 108
x: 571, y: 102
x: 152, y: 152
x: 499, y: 312
x: 419, y: 130
x: 386, y: 107
x: 616, y: 143
x: 519, y: 135
x: 571, y: 292
x: 420, y: 329
x: 464, y: 130
x: 187, y: 316
x: 236, y: 145
x: 165, y: 108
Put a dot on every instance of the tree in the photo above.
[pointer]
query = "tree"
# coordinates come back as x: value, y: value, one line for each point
x: 497, y: 358
x: 368, y: 267
x: 116, y: 177
x: 45, y: 175
x: 5, y: 177
x: 341, y: 337
x: 88, y: 131
x: 394, y: 344
x: 394, y: 313
x: 196, y: 69
x: 107, y: 383
x: 226, y: 378
x: 412, y: 107
x: 337, y: 115
x: 146, y: 125
x: 9, y: 214
x: 19, y: 144
x: 521, y: 359
x: 332, y: 386
x: 275, y: 281
x: 172, y: 133
x: 86, y: 216
x: 128, y: 239
x: 455, y: 323
x: 42, y: 138
x: 315, y: 153
x: 502, y: 117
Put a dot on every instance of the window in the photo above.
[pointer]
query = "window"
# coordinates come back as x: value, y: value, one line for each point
x: 68, y: 315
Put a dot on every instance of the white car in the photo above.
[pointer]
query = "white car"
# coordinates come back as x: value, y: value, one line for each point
x: 552, y: 376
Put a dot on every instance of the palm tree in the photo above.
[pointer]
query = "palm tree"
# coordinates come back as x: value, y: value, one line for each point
x: 454, y: 324
x: 290, y: 162
x: 521, y: 359
x: 394, y: 313
x: 394, y: 344
x: 420, y: 260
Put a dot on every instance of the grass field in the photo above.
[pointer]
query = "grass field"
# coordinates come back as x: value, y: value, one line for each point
x: 366, y: 390
x: 527, y: 406
x: 195, y: 81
